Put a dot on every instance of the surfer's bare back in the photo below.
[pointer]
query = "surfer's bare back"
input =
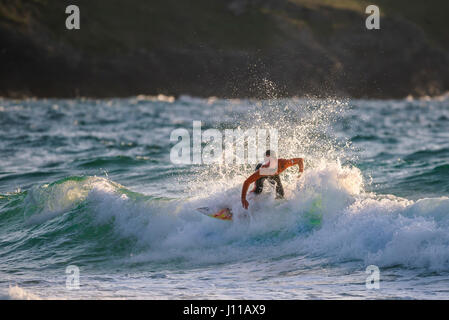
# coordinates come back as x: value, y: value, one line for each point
x: 271, y: 171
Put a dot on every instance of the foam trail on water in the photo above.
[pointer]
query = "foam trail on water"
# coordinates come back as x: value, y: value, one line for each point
x: 17, y: 293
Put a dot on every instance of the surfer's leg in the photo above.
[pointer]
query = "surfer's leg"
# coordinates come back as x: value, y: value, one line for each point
x: 259, y: 185
x: 279, y: 187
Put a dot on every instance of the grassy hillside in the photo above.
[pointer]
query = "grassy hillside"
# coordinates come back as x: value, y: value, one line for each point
x: 150, y: 23
x: 131, y: 24
x: 432, y: 16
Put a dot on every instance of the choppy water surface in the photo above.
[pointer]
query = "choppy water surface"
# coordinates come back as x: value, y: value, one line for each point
x: 90, y: 183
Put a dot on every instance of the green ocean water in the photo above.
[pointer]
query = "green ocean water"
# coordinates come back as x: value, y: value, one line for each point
x: 90, y: 183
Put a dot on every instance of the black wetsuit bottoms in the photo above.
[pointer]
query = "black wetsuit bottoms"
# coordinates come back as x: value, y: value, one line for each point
x: 274, y: 179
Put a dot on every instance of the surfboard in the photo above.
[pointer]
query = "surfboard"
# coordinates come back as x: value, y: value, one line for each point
x: 222, y: 214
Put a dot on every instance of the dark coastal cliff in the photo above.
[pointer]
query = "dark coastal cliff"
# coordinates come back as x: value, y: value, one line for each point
x: 226, y: 48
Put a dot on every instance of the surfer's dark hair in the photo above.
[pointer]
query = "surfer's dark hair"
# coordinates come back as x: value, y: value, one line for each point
x: 268, y: 153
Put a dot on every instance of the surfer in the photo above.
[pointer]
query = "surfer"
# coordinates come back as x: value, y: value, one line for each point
x: 269, y: 170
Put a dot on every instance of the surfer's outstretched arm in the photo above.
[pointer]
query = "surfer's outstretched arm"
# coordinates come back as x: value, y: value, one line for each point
x: 287, y: 163
x: 252, y: 178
